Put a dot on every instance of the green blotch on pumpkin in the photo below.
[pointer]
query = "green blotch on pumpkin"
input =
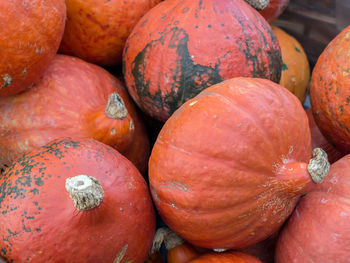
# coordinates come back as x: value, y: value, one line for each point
x: 341, y: 108
x: 284, y: 66
x: 38, y: 181
x: 297, y: 50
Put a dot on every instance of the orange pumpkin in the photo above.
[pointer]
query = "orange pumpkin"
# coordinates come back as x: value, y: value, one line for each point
x: 295, y: 65
x: 274, y: 9
x: 225, y: 257
x: 31, y: 32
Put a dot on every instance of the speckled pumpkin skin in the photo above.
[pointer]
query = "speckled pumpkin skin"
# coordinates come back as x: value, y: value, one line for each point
x: 226, y: 257
x: 330, y: 91
x: 39, y: 222
x: 274, y: 9
x: 224, y: 176
x: 96, y: 31
x: 181, y: 47
x: 31, y: 32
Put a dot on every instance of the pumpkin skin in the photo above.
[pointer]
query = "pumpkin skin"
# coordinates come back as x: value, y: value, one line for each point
x: 70, y: 100
x: 181, y: 253
x: 179, y: 48
x: 318, y: 230
x: 226, y: 257
x: 330, y: 91
x: 274, y: 9
x: 318, y: 140
x: 295, y: 68
x: 26, y: 51
x: 39, y: 222
x: 222, y: 176
x: 96, y: 31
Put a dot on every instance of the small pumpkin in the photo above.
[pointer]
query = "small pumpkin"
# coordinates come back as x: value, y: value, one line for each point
x: 274, y: 9
x: 75, y: 200
x: 295, y: 68
x: 330, y: 91
x: 179, y: 48
x: 225, y: 257
x: 31, y: 32
x: 319, y: 229
x: 96, y: 31
x: 230, y: 164
x: 74, y: 98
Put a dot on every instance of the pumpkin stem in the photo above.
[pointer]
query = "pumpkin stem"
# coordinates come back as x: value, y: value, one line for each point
x: 258, y: 4
x: 85, y: 191
x: 166, y: 235
x: 115, y: 108
x: 318, y: 166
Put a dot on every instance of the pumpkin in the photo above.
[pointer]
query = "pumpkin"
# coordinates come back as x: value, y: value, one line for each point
x: 274, y: 9
x: 179, y: 48
x: 31, y: 32
x: 96, y: 31
x: 74, y: 98
x: 330, y: 91
x: 295, y: 68
x: 226, y: 257
x: 230, y: 164
x: 75, y: 200
x: 319, y: 229
x: 319, y: 141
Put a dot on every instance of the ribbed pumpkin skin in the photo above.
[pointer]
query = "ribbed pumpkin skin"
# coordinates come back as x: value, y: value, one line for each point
x: 274, y: 9
x: 295, y: 68
x: 96, y: 31
x: 181, y: 47
x: 31, y: 32
x: 229, y: 165
x: 226, y: 257
x: 319, y: 229
x: 70, y: 101
x: 330, y: 91
x: 39, y: 222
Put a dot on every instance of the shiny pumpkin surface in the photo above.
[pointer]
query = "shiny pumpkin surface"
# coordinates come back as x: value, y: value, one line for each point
x: 229, y: 165
x: 39, y: 222
x: 225, y: 257
x: 179, y: 48
x: 330, y: 91
x: 274, y: 9
x: 319, y: 229
x: 96, y: 31
x: 31, y: 32
x: 181, y: 253
x: 295, y: 68
x: 70, y: 100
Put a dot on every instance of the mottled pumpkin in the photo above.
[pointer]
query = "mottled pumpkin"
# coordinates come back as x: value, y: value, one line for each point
x: 295, y: 68
x: 96, y: 31
x: 74, y: 98
x: 30, y: 33
x: 330, y: 91
x: 49, y: 214
x: 274, y: 9
x: 230, y: 164
x: 181, y: 47
x: 225, y: 257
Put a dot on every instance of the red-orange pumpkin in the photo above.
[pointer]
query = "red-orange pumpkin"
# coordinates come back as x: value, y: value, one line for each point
x: 105, y: 214
x: 319, y: 141
x: 330, y: 91
x: 274, y: 9
x: 181, y: 47
x: 229, y: 166
x: 319, y: 229
x: 96, y: 31
x: 74, y: 98
x: 225, y: 257
x: 31, y: 32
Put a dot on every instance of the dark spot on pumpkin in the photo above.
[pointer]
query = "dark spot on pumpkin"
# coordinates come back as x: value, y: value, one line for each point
x: 200, y: 4
x: 144, y: 22
x: 163, y: 16
x: 185, y: 10
x: 222, y: 25
x: 341, y: 109
x: 227, y: 37
x: 297, y: 49
x: 39, y: 181
x: 209, y: 26
x: 284, y: 66
x: 38, y: 230
x: 196, y: 26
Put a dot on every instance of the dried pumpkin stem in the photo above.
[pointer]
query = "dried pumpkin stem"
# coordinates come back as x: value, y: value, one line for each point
x: 318, y: 166
x: 85, y: 191
x: 258, y: 4
x: 115, y: 108
x: 166, y: 236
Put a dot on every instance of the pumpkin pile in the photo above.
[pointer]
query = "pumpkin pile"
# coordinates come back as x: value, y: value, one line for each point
x: 170, y: 131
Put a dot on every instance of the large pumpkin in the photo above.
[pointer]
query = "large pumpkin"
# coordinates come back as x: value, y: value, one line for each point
x: 274, y: 9
x: 330, y: 91
x: 96, y: 31
x: 74, y: 98
x: 226, y: 257
x: 295, y: 68
x: 31, y: 32
x: 181, y: 47
x: 319, y: 229
x: 229, y: 166
x: 75, y: 200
